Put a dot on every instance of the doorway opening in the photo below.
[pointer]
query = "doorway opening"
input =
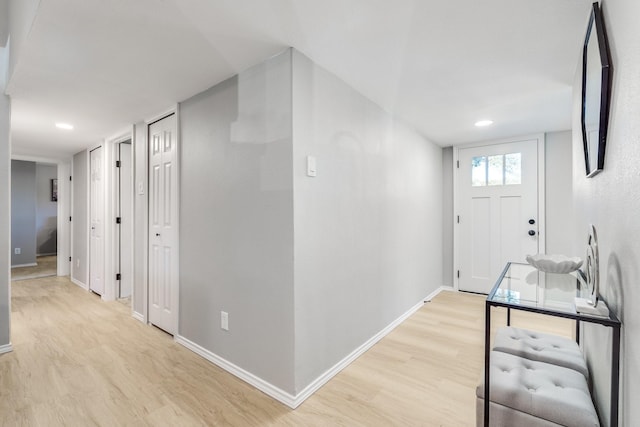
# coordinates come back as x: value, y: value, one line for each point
x: 34, y: 219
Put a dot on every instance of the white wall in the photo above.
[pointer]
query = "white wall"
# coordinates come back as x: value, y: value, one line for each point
x: 368, y: 228
x: 236, y: 221
x: 21, y: 15
x: 5, y: 207
x: 611, y: 201
x: 559, y: 196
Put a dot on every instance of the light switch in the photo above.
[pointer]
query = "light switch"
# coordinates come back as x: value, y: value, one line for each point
x: 141, y: 188
x: 311, y: 166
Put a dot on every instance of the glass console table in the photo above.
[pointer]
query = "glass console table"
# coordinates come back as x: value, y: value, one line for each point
x: 523, y: 287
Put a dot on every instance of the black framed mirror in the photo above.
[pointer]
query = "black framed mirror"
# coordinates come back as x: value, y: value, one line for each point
x: 596, y: 92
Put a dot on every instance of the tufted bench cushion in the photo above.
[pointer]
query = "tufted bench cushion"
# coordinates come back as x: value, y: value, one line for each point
x: 541, y: 347
x: 530, y: 393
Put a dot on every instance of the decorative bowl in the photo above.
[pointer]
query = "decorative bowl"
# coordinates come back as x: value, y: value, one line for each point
x: 559, y: 264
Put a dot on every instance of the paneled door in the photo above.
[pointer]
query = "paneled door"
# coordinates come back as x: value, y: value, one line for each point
x: 498, y: 214
x: 96, y: 215
x: 163, y: 225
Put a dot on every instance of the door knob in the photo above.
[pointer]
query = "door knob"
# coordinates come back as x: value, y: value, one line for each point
x: 532, y: 233
x: 532, y: 221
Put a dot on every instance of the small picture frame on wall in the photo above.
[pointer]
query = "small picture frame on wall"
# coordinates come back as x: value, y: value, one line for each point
x: 54, y: 190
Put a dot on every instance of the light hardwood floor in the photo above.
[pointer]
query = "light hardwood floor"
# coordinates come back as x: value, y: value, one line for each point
x: 46, y: 266
x: 80, y: 361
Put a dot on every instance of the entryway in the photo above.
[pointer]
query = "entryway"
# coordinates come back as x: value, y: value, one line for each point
x: 499, y: 209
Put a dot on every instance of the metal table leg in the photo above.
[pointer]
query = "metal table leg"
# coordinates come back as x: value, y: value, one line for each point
x: 487, y: 355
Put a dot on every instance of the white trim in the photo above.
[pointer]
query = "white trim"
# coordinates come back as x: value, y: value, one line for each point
x: 257, y: 382
x: 455, y: 158
x: 433, y: 294
x: 166, y: 113
x: 111, y: 291
x: 333, y: 371
x: 542, y: 195
x: 64, y: 206
x: 137, y: 315
x: 6, y: 348
x: 79, y: 283
x: 47, y: 254
x: 541, y: 142
x: 31, y: 264
x: 286, y: 398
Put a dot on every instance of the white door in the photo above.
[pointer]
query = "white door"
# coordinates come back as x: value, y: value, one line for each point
x: 498, y: 210
x: 163, y: 225
x: 96, y: 214
x: 125, y: 215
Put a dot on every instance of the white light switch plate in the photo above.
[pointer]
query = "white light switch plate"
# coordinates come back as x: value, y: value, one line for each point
x: 311, y: 166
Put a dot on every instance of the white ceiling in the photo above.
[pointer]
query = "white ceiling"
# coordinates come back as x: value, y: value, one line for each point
x: 438, y: 65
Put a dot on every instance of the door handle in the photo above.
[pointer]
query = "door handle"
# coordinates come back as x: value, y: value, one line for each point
x: 532, y: 233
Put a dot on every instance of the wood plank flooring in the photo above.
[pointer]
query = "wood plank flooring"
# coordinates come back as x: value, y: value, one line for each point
x: 79, y: 361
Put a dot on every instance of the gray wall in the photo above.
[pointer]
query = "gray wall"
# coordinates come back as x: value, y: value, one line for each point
x: 46, y: 210
x: 559, y: 198
x: 611, y: 201
x: 5, y: 206
x: 140, y: 217
x: 23, y: 212
x: 236, y: 221
x: 447, y: 216
x: 368, y: 228
x: 79, y: 223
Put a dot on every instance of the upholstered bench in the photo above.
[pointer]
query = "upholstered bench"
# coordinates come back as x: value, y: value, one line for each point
x: 547, y: 348
x: 531, y: 393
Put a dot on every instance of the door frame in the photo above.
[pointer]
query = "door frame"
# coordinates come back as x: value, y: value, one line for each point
x: 110, y: 206
x: 145, y: 245
x: 65, y: 202
x: 540, y: 138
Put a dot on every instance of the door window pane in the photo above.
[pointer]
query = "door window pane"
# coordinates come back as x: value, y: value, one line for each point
x: 496, y: 170
x: 512, y: 169
x: 478, y: 171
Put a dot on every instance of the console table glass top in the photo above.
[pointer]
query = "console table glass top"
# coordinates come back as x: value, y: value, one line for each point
x: 522, y: 285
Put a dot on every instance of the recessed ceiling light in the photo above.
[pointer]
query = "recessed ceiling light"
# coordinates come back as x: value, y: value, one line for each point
x: 65, y: 126
x: 483, y: 123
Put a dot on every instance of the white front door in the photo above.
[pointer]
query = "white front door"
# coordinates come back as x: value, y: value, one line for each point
x: 498, y: 218
x: 163, y: 225
x: 96, y: 214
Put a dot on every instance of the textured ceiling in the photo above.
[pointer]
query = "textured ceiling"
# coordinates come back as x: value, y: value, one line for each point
x: 438, y: 65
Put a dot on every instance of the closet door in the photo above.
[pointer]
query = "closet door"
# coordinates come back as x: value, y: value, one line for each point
x: 163, y: 225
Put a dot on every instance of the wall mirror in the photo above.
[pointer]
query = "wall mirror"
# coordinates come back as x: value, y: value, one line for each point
x: 596, y: 92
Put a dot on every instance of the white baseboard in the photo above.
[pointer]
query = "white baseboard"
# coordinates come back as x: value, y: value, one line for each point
x: 79, y: 283
x: 333, y: 371
x: 257, y: 382
x: 6, y: 348
x: 47, y: 254
x: 138, y: 316
x: 281, y: 395
x: 31, y: 264
x: 433, y: 294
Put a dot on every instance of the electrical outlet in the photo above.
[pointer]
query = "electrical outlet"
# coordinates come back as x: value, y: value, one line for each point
x: 224, y: 320
x: 18, y: 251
